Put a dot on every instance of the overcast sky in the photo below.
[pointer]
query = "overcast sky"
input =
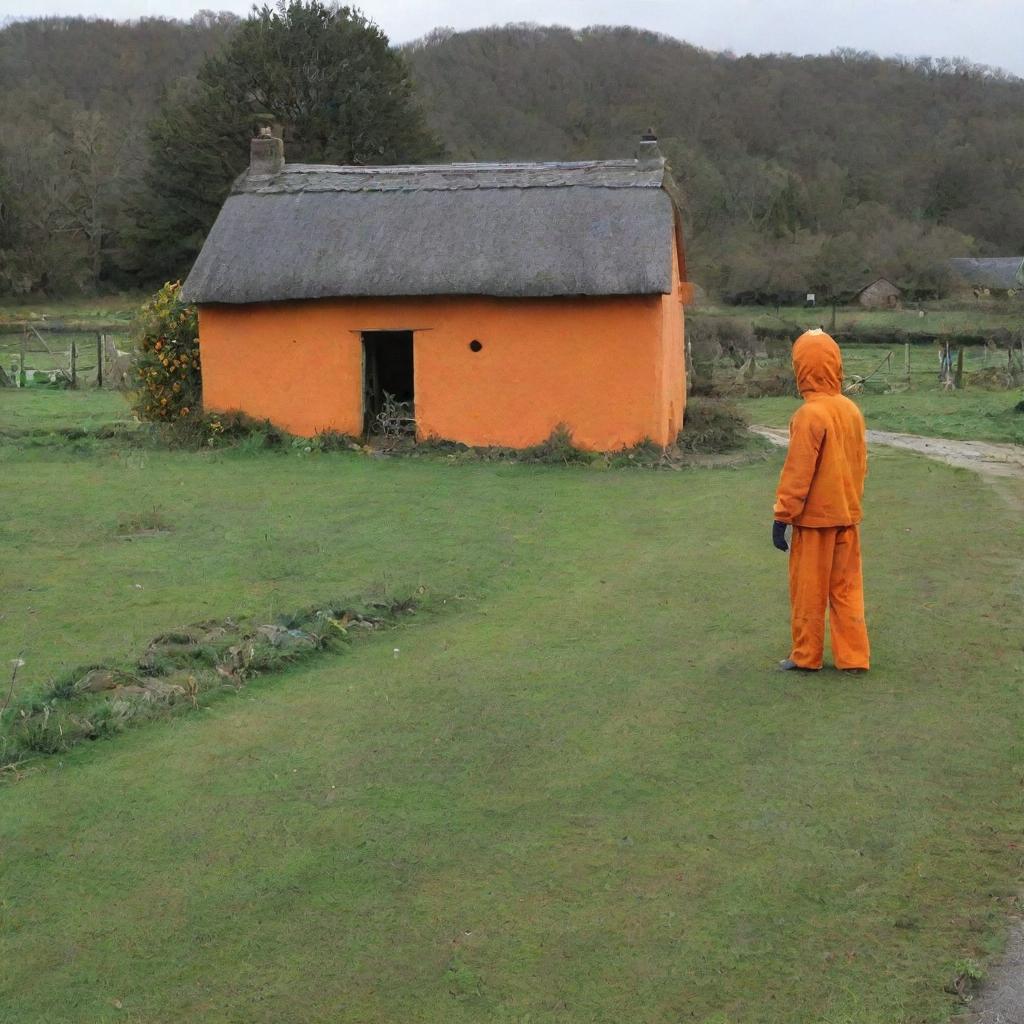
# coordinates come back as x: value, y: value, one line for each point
x: 985, y: 31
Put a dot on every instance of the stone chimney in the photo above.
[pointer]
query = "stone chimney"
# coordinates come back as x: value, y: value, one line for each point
x: 648, y: 154
x: 266, y: 154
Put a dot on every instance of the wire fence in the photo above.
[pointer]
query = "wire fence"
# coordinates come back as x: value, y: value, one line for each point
x: 65, y: 357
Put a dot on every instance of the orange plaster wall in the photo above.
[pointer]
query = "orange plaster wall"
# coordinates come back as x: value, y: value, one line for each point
x: 589, y: 363
x: 291, y: 363
x: 610, y: 368
x: 673, y: 378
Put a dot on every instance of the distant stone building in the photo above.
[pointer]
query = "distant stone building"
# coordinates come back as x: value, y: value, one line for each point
x: 1000, y: 274
x: 880, y: 294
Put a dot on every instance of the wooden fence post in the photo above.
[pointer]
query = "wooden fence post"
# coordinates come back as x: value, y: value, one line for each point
x: 906, y: 360
x: 99, y: 360
x: 21, y: 364
x: 74, y: 364
x: 958, y: 380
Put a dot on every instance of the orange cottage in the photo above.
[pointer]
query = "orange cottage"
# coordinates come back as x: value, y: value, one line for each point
x: 497, y: 300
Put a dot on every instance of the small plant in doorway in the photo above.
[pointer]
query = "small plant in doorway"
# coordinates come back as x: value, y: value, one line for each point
x: 395, y: 419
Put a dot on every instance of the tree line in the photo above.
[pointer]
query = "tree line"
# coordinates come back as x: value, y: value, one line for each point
x: 119, y: 141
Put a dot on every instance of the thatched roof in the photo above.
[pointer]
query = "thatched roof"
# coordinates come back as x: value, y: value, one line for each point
x: 316, y: 231
x: 1001, y: 273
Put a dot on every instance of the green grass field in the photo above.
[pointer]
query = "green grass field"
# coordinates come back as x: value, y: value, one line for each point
x: 964, y: 415
x: 942, y: 316
x: 23, y: 331
x: 972, y: 413
x: 570, y: 789
x: 41, y: 410
x: 99, y: 308
x: 875, y: 360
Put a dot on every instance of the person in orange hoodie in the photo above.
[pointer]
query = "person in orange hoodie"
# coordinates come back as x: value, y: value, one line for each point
x: 819, y: 495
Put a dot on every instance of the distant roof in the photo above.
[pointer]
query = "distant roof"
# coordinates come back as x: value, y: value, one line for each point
x: 877, y: 280
x: 519, y: 229
x: 1001, y: 272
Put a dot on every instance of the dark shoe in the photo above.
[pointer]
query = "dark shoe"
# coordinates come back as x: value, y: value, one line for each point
x: 854, y: 671
x: 789, y: 665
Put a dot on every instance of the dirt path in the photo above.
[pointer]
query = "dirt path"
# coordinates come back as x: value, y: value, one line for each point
x: 1001, y: 1000
x: 996, y: 460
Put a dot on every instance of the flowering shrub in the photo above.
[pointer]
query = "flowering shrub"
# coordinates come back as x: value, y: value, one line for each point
x: 167, y: 372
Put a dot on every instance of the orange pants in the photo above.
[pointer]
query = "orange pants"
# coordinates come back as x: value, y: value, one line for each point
x: 824, y: 572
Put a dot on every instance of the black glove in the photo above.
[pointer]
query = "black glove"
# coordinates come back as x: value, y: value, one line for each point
x: 779, y: 535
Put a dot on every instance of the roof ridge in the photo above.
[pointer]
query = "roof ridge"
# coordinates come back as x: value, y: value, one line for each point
x: 269, y: 188
x: 405, y: 178
x: 482, y: 165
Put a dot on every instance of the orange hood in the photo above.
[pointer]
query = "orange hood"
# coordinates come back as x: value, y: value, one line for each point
x: 818, y: 364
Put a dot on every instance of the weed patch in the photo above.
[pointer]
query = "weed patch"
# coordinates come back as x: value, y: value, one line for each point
x: 965, y: 977
x: 144, y: 524
x: 221, y: 430
x: 646, y: 454
x: 991, y: 378
x: 331, y: 441
x: 558, y: 450
x: 175, y: 670
x: 772, y: 383
x: 712, y: 427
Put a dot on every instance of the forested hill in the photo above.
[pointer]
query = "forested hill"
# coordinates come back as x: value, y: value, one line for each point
x: 797, y: 171
x: 845, y: 161
x: 76, y: 96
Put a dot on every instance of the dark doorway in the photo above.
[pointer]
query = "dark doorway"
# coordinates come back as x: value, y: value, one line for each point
x: 388, y: 382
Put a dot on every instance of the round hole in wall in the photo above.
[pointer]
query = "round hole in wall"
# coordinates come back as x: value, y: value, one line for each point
x: 475, y: 346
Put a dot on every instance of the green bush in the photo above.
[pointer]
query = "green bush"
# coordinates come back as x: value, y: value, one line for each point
x: 711, y: 427
x: 167, y: 372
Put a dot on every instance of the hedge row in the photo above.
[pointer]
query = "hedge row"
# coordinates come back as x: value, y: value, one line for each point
x: 1000, y: 336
